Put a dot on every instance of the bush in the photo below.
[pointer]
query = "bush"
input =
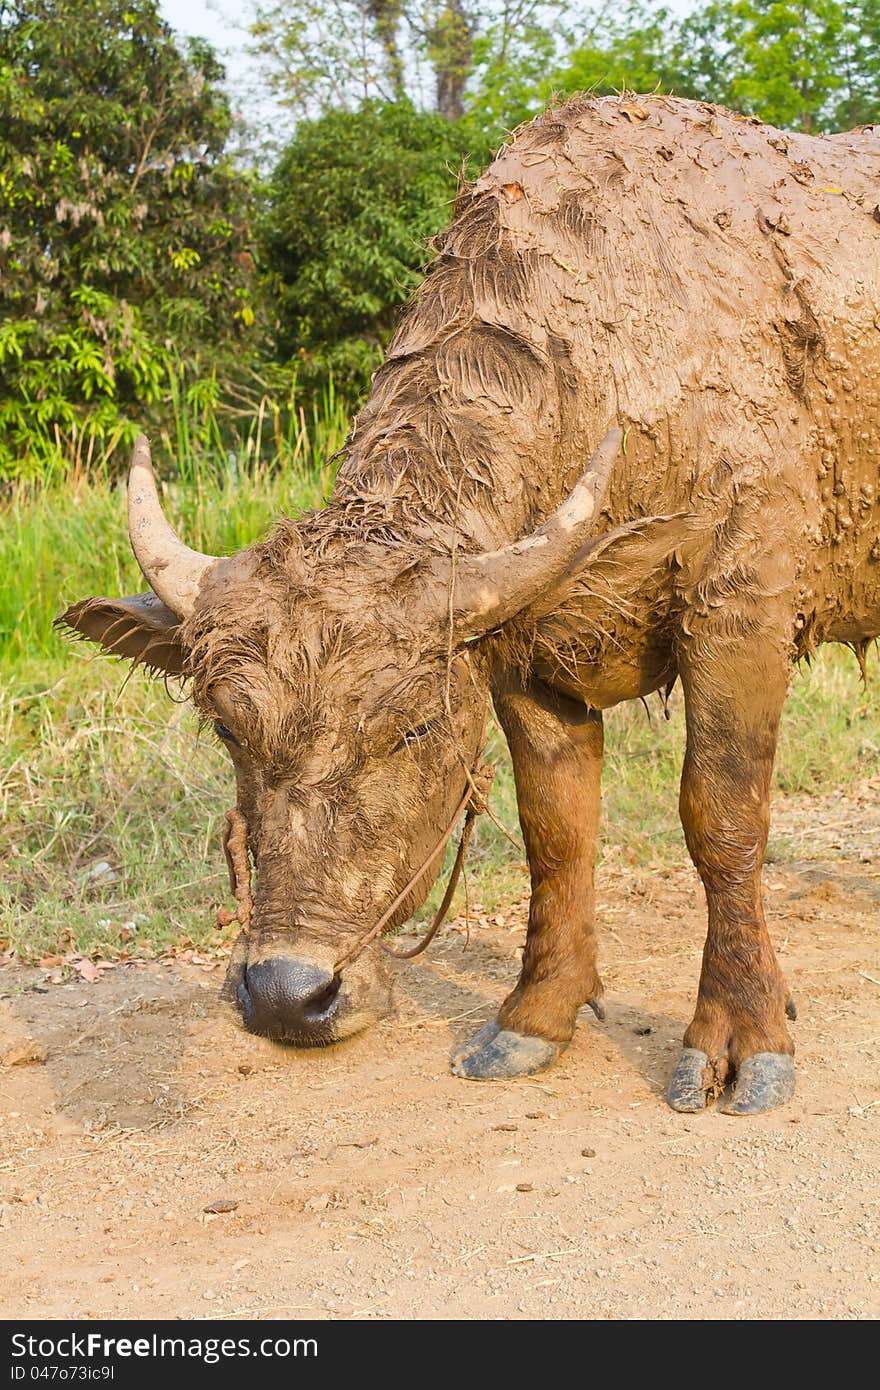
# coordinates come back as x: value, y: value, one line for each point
x: 354, y: 200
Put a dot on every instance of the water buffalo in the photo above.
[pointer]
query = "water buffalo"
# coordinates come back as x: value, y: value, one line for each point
x: 702, y: 294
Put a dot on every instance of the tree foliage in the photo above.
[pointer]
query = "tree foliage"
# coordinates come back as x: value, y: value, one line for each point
x: 353, y: 202
x: 441, y: 55
x: 809, y: 65
x: 124, y: 226
x: 634, y: 47
x: 369, y: 177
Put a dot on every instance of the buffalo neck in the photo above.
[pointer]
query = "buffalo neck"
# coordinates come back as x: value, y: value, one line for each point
x: 421, y: 499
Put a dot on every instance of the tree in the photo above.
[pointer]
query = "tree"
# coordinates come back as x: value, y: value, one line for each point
x: 781, y: 56
x: 353, y: 202
x: 451, y: 52
x: 800, y: 64
x: 810, y: 65
x: 367, y: 180
x: 124, y: 225
x: 324, y: 55
x: 857, y: 101
x: 635, y: 48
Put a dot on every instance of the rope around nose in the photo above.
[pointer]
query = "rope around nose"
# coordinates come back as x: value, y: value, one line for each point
x: 474, y: 802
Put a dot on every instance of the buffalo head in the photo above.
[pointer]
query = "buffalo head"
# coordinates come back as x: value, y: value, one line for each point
x: 344, y: 672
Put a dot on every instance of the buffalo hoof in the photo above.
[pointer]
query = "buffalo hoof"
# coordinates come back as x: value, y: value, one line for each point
x: 688, y: 1086
x: 497, y: 1054
x: 763, y: 1081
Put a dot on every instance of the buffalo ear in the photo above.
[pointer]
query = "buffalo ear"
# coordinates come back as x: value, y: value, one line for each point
x: 623, y: 559
x: 140, y: 627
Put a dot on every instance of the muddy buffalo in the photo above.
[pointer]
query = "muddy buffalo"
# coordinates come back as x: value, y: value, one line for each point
x: 699, y: 296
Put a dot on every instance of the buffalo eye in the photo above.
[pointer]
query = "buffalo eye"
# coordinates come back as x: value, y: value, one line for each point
x: 226, y: 734
x: 414, y: 735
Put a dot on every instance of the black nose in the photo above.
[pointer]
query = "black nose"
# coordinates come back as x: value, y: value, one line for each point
x: 290, y: 1001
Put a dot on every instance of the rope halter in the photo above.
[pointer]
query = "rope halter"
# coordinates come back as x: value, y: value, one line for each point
x: 473, y: 803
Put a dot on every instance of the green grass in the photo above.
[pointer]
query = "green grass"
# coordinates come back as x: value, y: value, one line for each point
x: 92, y: 772
x: 94, y: 768
x: 66, y: 539
x: 829, y: 738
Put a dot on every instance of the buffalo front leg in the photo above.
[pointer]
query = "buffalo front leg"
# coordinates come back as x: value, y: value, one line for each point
x: 734, y: 693
x: 556, y: 747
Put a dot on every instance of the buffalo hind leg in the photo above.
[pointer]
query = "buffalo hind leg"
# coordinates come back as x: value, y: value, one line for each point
x: 556, y: 747
x: 734, y: 693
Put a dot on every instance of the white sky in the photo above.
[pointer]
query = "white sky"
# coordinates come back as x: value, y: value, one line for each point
x: 224, y: 23
x: 209, y: 19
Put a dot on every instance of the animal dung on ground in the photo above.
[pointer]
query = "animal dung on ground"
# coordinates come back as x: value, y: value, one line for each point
x: 220, y: 1206
x: 24, y: 1052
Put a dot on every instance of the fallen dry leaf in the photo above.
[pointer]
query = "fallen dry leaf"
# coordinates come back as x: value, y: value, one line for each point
x: 779, y: 222
x: 87, y: 969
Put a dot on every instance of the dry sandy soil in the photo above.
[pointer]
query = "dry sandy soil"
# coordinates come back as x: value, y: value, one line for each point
x: 366, y: 1182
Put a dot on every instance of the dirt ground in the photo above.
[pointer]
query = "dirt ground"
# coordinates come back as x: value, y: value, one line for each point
x: 366, y: 1182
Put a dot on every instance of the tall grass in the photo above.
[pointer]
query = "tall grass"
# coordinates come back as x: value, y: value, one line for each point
x: 65, y: 537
